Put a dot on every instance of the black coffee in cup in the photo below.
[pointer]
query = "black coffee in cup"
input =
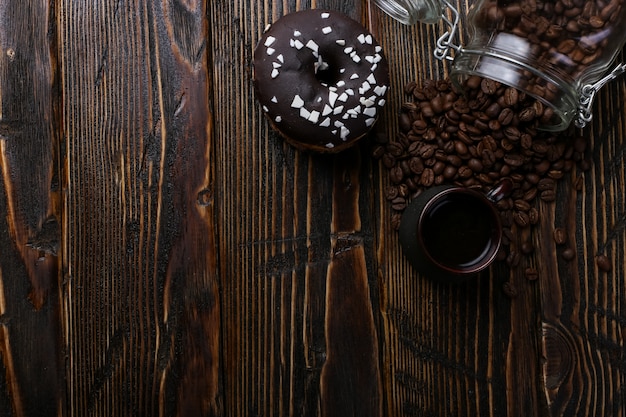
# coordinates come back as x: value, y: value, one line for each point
x: 456, y: 232
x: 451, y: 233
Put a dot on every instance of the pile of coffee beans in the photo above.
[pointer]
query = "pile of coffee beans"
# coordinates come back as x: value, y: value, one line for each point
x: 474, y: 139
x: 569, y: 35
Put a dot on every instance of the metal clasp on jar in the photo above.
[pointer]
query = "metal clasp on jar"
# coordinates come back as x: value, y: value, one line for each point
x: 588, y: 93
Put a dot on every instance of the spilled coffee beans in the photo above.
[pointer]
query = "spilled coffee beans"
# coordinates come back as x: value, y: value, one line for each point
x: 474, y: 139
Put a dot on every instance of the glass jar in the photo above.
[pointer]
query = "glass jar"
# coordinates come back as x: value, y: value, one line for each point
x: 557, y: 51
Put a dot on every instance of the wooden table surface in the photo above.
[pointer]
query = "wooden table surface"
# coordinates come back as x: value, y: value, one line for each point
x: 163, y: 252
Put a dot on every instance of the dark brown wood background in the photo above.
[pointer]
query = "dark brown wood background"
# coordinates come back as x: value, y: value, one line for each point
x: 164, y: 253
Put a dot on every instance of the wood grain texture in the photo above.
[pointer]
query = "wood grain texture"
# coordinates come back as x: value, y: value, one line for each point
x: 140, y: 299
x: 30, y: 352
x: 163, y: 252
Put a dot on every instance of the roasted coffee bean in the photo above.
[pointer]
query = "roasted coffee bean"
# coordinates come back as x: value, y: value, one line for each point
x: 513, y: 259
x: 568, y: 254
x: 521, y: 219
x: 548, y: 196
x: 533, y: 216
x: 416, y: 166
x: 546, y: 184
x: 560, y: 236
x: 389, y: 161
x: 378, y: 152
x: 604, y: 263
x: 391, y: 192
x: 427, y: 178
x: 531, y: 274
x: 527, y: 247
x: 510, y: 290
x: 396, y: 175
x: 522, y: 205
x: 399, y: 203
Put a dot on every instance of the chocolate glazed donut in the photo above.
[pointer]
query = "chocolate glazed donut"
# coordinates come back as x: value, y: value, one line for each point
x: 321, y: 79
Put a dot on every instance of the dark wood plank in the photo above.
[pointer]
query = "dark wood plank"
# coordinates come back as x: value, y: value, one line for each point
x: 141, y: 304
x: 30, y: 349
x: 296, y: 249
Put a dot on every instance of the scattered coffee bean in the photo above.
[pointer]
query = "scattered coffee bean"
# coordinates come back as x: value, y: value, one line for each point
x: 509, y: 290
x: 560, y: 236
x: 568, y: 254
x: 531, y: 274
x: 604, y: 263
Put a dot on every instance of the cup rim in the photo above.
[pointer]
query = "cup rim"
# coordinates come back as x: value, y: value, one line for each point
x: 496, y: 237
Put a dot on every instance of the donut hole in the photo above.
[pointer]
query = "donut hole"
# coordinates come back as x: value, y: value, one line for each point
x: 327, y: 73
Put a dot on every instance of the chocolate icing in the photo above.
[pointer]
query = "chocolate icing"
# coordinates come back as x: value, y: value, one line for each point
x: 321, y: 79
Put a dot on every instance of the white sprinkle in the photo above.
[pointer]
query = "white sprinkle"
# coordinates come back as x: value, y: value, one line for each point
x: 369, y: 122
x: 269, y: 25
x: 274, y: 99
x: 312, y: 45
x: 373, y: 68
x: 332, y: 97
x: 377, y: 58
x: 331, y: 88
x: 278, y: 119
x: 380, y: 90
x: 343, y: 97
x: 369, y: 59
x: 269, y: 41
x: 297, y: 33
x: 319, y: 100
x: 297, y: 102
x: 348, y: 50
x: 292, y: 43
x: 340, y: 42
x: 378, y: 48
x: 270, y: 51
x: 276, y: 64
x: 334, y: 132
x: 346, y: 116
x: 341, y: 83
x: 356, y: 59
x: 275, y: 73
x: 371, y: 79
x: 327, y: 110
x: 361, y: 38
x: 325, y: 122
x: 344, y: 133
x: 352, y: 54
x: 368, y: 39
x: 265, y: 109
x: 338, y: 110
x: 350, y: 92
x: 342, y: 70
x: 354, y: 76
x: 381, y: 102
x: 326, y: 30
x: 330, y: 145
x: 304, y: 113
x: 355, y: 111
x: 298, y: 44
x: 281, y: 58
x: 314, y: 117
x: 370, y: 111
x: 364, y: 87
x: 339, y: 123
x: 325, y: 15
x: 367, y: 102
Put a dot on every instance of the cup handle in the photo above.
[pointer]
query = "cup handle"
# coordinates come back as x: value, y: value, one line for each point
x: 500, y: 191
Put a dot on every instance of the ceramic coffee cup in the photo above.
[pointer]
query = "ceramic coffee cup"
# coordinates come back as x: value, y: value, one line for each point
x: 450, y: 233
